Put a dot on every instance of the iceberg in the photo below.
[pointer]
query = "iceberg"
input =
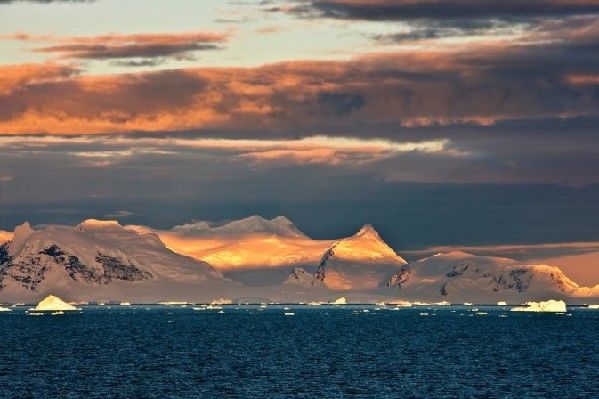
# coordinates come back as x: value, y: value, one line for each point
x: 5, y: 309
x: 593, y: 306
x: 53, y: 304
x: 501, y: 303
x: 339, y: 301
x: 551, y: 305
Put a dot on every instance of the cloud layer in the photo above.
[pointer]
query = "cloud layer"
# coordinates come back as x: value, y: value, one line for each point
x: 481, y: 85
x: 380, y: 10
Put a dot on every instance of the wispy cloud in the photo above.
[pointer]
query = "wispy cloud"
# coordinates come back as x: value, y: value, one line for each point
x: 145, y: 47
x: 103, y: 151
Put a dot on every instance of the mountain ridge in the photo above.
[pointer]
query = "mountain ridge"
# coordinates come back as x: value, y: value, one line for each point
x: 102, y: 259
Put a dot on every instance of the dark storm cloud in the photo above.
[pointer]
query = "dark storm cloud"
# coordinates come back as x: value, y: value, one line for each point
x: 380, y: 10
x: 436, y: 29
x: 432, y: 19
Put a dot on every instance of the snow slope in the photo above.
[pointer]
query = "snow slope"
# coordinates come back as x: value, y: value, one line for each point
x: 267, y: 260
x: 95, y: 260
x: 360, y: 262
x: 459, y: 277
x: 280, y: 226
x: 250, y: 243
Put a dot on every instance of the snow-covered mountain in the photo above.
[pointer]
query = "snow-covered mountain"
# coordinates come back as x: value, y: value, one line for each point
x: 255, y: 258
x: 459, y: 276
x: 279, y: 226
x: 259, y: 252
x: 360, y: 262
x: 250, y: 243
x: 96, y: 259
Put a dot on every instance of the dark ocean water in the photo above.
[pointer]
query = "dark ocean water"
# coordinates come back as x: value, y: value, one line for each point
x: 320, y: 352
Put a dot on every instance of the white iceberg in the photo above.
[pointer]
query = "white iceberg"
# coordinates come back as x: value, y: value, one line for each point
x: 551, y: 305
x: 339, y: 301
x: 53, y: 304
x: 501, y: 303
x: 5, y: 309
x: 125, y: 304
x: 593, y: 306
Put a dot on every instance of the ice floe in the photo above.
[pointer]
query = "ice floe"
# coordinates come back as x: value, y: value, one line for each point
x: 551, y: 305
x: 339, y: 301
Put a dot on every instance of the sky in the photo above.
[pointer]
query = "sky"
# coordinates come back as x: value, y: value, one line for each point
x: 455, y: 122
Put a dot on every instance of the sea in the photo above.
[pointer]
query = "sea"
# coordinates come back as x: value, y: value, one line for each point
x: 278, y: 351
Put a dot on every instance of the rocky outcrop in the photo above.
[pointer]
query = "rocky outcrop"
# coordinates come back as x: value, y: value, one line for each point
x: 400, y: 277
x: 31, y: 270
x: 462, y: 275
x: 360, y: 262
x: 117, y: 269
x: 301, y: 277
x: 92, y: 257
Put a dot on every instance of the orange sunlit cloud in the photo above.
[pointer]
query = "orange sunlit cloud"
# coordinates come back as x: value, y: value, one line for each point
x: 300, y: 94
x: 20, y: 76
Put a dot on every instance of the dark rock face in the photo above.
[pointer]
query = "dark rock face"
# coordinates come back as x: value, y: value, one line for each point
x: 32, y: 270
x: 321, y: 271
x: 400, y: 277
x: 30, y: 275
x: 116, y: 269
x: 4, y: 258
x: 53, y: 251
x: 517, y: 279
x: 297, y: 273
x: 78, y: 271
x: 557, y: 282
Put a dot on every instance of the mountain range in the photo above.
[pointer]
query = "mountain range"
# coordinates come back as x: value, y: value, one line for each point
x: 255, y: 260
